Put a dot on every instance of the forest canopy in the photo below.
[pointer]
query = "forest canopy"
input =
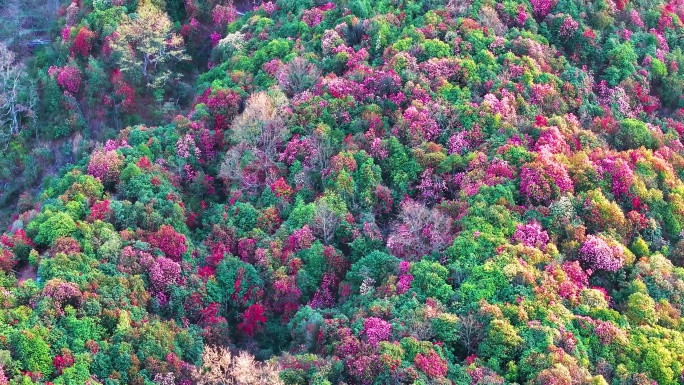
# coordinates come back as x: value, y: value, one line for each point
x: 349, y: 192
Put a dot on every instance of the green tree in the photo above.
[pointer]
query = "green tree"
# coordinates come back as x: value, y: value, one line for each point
x: 57, y: 224
x: 429, y: 280
x: 634, y: 134
x: 641, y: 309
x: 32, y: 351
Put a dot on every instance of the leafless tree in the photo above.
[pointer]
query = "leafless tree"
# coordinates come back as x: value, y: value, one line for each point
x: 470, y: 332
x: 221, y: 367
x: 16, y: 98
x: 262, y: 124
x: 326, y: 220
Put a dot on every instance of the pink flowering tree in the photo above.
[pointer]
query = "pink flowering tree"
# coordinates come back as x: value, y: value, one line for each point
x: 300, y: 239
x: 598, y: 254
x: 431, y: 364
x: 418, y: 123
x: 542, y: 7
x: 405, y: 277
x: 544, y: 180
x: 531, y: 234
x: 164, y: 273
x: 68, y: 77
x: 62, y: 292
x: 105, y: 165
x: 224, y: 14
x: 419, y: 231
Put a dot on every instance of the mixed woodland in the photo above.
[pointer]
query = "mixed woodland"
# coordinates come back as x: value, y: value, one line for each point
x: 304, y: 192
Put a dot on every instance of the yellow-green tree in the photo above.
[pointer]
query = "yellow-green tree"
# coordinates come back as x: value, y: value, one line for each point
x: 147, y: 46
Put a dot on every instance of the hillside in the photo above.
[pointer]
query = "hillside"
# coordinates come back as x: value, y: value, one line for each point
x: 350, y: 192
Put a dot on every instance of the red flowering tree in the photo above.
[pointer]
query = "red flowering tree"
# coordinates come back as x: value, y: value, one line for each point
x: 124, y: 94
x: 7, y: 260
x: 170, y: 242
x: 68, y: 77
x: 100, y: 210
x: 83, y: 42
x: 252, y: 319
x: 62, y: 361
x: 431, y: 364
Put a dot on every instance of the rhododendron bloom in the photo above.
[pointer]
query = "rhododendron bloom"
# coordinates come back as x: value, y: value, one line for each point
x: 600, y: 255
x: 542, y: 7
x: 171, y: 243
x: 83, y: 42
x: 531, y: 234
x: 68, y: 77
x: 376, y: 330
x: 252, y: 318
x: 105, y: 165
x: 164, y: 273
x: 431, y: 364
x: 224, y: 14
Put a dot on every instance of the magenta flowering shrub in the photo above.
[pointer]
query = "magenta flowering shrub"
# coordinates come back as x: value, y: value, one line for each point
x: 62, y: 292
x: 404, y: 192
x: 484, y: 376
x: 164, y: 273
x: 551, y: 140
x: 312, y: 17
x: 134, y: 261
x: 247, y: 249
x: 542, y: 7
x: 531, y: 234
x: 170, y: 242
x: 324, y: 296
x: 185, y: 146
x: 505, y: 105
x: 405, y: 278
x: 499, y: 171
x: 544, y: 180
x: 568, y: 27
x: 440, y: 68
x: 224, y: 14
x: 620, y: 174
x: 300, y: 239
x: 431, y: 364
x: 330, y: 40
x: 68, y: 77
x: 431, y: 187
x: 599, y: 255
x: 376, y: 330
x: 380, y: 83
x: 3, y: 377
x: 419, y: 125
x: 458, y: 143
